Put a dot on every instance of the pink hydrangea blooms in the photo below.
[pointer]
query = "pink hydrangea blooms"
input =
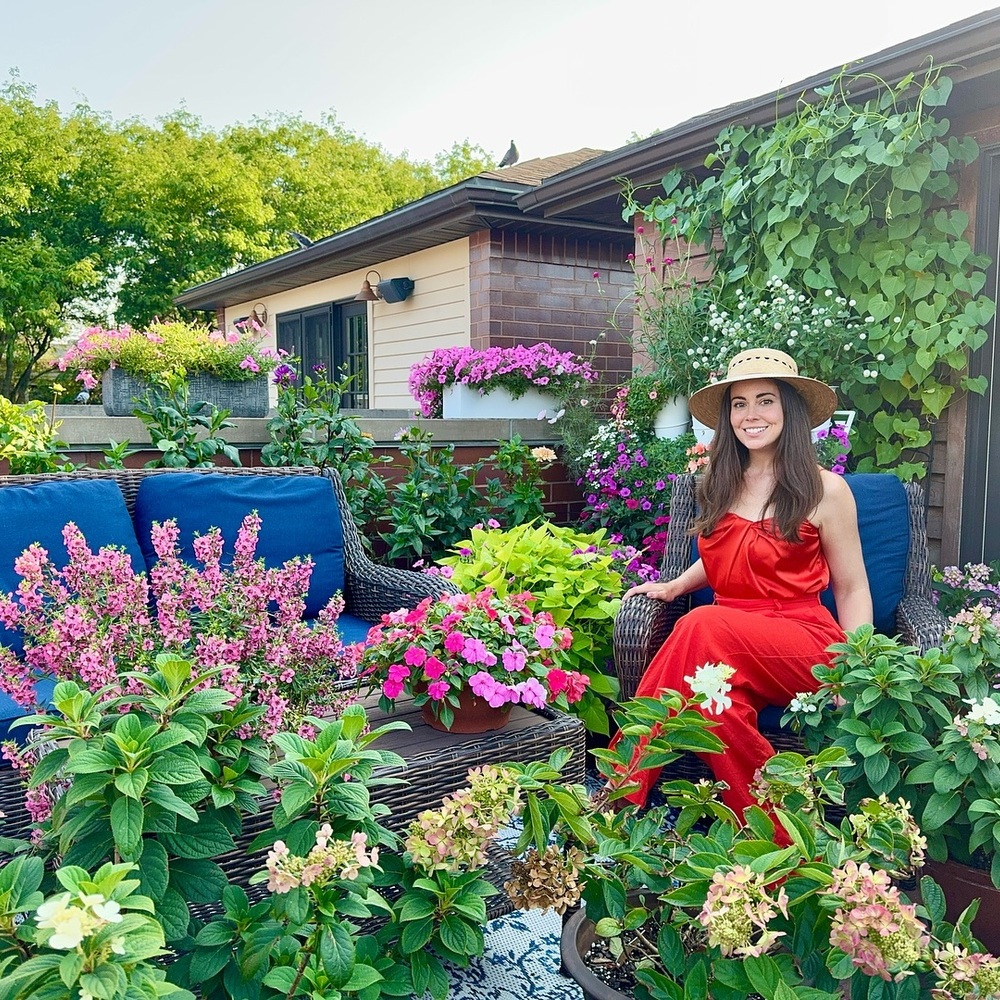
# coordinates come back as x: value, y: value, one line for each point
x: 329, y: 861
x: 515, y: 368
x: 497, y: 647
x: 738, y: 910
x: 455, y: 836
x: 880, y: 933
x: 92, y: 620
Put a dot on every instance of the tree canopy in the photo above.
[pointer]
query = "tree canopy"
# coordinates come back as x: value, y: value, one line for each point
x: 95, y: 211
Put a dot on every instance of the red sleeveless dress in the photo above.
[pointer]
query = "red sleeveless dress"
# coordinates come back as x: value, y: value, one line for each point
x: 767, y: 623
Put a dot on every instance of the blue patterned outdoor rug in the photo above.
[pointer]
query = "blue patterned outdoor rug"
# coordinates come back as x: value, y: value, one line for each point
x: 521, y: 961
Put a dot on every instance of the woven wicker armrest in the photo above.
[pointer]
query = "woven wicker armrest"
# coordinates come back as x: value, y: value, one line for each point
x: 372, y: 590
x: 919, y: 622
x: 641, y: 627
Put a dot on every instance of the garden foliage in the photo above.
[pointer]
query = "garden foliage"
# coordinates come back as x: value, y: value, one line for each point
x: 852, y: 193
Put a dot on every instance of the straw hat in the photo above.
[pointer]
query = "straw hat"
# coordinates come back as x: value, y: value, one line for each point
x: 763, y: 362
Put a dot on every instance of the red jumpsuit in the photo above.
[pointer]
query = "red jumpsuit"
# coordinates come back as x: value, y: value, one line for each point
x: 767, y: 623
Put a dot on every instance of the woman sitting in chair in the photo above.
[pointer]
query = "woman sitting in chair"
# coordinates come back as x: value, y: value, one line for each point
x: 774, y: 530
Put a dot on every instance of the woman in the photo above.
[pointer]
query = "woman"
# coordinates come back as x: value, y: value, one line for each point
x: 774, y: 530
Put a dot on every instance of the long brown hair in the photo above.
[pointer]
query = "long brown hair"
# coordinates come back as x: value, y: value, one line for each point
x: 798, y: 488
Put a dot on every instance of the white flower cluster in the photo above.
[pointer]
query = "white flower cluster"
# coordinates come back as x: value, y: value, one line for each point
x: 824, y: 335
x: 711, y: 681
x: 986, y: 712
x: 73, y: 918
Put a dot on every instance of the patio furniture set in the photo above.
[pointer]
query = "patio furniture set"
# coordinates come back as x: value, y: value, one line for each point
x: 115, y: 506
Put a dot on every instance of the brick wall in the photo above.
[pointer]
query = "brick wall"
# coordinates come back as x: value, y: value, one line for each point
x: 525, y: 289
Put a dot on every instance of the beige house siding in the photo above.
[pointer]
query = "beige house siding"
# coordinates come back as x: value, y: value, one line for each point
x: 436, y: 314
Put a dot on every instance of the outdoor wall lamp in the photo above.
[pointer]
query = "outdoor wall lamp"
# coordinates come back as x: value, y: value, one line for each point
x: 390, y: 290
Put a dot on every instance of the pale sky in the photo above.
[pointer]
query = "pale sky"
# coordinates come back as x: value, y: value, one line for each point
x: 415, y: 76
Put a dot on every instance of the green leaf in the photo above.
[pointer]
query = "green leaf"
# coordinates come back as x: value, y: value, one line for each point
x: 206, y: 839
x: 281, y: 978
x: 126, y: 824
x: 106, y: 982
x: 198, y: 881
x: 175, y: 767
x: 132, y: 783
x: 336, y: 951
x: 172, y: 912
x: 154, y: 870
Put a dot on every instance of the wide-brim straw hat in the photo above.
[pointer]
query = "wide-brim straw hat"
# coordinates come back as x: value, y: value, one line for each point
x: 763, y: 362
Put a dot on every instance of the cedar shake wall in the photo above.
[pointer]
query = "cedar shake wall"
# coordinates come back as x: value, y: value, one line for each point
x: 525, y: 289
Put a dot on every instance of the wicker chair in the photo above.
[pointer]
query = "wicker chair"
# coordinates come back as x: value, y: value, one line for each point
x: 436, y: 763
x: 643, y: 624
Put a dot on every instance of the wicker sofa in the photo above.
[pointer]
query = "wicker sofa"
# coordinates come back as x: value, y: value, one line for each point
x: 437, y: 763
x: 370, y: 590
x: 893, y: 529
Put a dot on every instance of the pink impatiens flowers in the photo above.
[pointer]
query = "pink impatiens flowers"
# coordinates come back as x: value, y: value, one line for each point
x: 496, y: 647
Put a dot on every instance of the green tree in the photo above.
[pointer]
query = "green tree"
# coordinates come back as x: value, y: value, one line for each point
x: 188, y: 208
x: 98, y: 215
x: 463, y: 160
x: 49, y: 255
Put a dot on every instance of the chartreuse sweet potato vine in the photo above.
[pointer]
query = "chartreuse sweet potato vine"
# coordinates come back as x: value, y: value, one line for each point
x: 855, y: 197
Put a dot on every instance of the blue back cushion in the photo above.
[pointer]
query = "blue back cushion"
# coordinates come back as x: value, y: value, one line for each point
x: 299, y: 517
x: 884, y: 526
x: 38, y: 513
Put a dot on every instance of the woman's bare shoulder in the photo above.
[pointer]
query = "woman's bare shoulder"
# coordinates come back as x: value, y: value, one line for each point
x: 838, y: 500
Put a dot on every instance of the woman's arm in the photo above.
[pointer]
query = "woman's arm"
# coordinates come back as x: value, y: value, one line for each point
x: 837, y: 521
x: 669, y: 590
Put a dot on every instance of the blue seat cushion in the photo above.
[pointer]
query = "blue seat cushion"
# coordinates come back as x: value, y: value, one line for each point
x: 299, y: 517
x: 38, y: 513
x: 884, y: 527
x: 352, y: 628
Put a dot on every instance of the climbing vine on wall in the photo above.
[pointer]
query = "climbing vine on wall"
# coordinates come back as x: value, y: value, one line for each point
x: 858, y: 197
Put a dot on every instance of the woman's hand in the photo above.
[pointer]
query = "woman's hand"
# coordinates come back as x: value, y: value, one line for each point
x: 666, y: 590
x: 669, y: 590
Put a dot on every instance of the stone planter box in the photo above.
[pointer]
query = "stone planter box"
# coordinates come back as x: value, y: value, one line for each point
x: 246, y: 398
x: 462, y: 401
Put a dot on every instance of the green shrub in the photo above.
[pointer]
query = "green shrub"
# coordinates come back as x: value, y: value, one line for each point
x: 28, y: 439
x: 571, y: 574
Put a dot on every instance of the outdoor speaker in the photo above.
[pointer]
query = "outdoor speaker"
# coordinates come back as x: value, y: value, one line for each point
x: 395, y: 289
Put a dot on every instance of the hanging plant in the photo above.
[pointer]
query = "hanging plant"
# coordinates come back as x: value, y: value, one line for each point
x: 856, y: 196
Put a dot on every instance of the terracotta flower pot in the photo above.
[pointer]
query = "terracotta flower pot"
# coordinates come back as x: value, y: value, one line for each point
x: 473, y: 715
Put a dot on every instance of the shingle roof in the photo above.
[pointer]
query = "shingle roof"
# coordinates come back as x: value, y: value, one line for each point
x: 537, y: 170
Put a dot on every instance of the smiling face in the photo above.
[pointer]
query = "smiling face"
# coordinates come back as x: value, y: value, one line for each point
x: 755, y: 413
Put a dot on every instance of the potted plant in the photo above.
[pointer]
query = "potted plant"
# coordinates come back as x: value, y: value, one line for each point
x: 573, y: 576
x: 687, y: 900
x: 537, y: 376
x: 647, y: 402
x: 928, y: 728
x: 468, y: 658
x: 227, y: 369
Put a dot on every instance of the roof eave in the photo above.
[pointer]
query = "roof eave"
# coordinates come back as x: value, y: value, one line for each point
x: 474, y: 204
